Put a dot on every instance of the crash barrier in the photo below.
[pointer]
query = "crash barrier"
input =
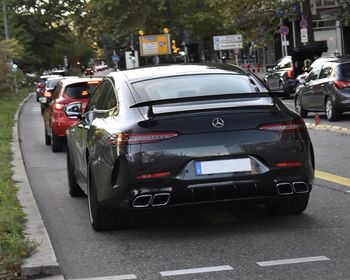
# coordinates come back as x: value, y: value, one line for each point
x: 258, y: 69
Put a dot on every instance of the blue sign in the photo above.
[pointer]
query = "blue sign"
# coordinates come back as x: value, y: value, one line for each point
x: 115, y: 58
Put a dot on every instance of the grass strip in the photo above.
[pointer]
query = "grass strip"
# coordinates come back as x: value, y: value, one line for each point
x: 13, y: 246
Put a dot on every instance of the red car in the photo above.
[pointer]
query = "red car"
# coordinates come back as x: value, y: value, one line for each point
x: 55, y: 120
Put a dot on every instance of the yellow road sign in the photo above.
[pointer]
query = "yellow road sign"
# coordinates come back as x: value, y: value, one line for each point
x: 151, y: 45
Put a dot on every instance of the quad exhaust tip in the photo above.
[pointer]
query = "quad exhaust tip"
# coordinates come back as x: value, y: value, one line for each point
x: 142, y: 201
x: 156, y: 200
x: 290, y: 188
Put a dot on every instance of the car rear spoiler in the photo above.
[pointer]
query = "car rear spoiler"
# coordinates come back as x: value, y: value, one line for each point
x: 151, y: 103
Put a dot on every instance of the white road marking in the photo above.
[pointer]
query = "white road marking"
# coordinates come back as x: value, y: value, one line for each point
x: 348, y: 191
x: 196, y: 270
x: 36, y: 109
x: 117, y: 277
x: 293, y: 261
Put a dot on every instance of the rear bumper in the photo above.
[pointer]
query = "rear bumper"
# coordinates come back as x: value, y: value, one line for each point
x: 170, y: 192
x: 341, y: 100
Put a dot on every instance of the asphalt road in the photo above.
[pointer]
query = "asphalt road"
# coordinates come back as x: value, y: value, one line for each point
x: 229, y: 242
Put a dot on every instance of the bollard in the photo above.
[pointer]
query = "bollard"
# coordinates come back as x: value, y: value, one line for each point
x: 317, y: 119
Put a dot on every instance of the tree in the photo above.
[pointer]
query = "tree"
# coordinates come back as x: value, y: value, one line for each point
x: 9, y: 51
x: 46, y: 31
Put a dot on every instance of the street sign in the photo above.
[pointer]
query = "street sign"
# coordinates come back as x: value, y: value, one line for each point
x: 303, y: 35
x: 228, y: 42
x: 115, y: 58
x: 151, y: 45
x: 284, y: 30
x: 303, y: 23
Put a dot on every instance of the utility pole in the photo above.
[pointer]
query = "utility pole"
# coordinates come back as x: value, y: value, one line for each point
x: 4, y: 9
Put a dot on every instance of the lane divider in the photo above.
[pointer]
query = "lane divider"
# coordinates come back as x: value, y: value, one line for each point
x: 293, y: 261
x: 332, y: 178
x: 116, y: 277
x: 196, y: 270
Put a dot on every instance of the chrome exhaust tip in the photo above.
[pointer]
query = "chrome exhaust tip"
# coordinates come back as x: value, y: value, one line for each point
x: 160, y: 199
x: 300, y: 187
x: 142, y: 201
x: 284, y: 188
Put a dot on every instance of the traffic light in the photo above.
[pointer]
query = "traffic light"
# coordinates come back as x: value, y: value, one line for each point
x: 174, y: 47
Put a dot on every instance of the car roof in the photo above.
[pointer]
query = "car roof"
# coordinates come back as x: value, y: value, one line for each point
x: 49, y: 76
x: 146, y: 73
x: 70, y: 81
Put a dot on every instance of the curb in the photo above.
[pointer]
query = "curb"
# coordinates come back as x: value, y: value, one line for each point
x: 43, y: 261
x: 333, y: 128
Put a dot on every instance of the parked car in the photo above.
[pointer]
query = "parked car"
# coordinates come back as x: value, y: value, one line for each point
x: 325, y: 89
x: 318, y: 62
x: 41, y: 85
x: 283, y: 77
x: 48, y: 90
x: 183, y: 135
x: 55, y: 120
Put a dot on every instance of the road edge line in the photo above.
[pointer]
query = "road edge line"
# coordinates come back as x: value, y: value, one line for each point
x: 43, y: 261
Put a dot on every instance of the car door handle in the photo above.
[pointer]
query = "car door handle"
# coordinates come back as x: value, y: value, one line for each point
x: 322, y: 85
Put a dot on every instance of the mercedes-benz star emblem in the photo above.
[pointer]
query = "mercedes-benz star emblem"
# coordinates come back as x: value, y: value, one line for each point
x: 218, y: 122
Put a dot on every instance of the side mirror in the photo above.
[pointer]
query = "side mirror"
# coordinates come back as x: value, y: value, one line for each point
x: 74, y: 110
x: 302, y: 81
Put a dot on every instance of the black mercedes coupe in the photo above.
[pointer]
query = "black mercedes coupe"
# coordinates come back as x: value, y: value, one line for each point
x: 179, y: 135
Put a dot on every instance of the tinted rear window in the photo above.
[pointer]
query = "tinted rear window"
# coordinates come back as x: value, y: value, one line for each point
x: 345, y: 70
x: 196, y: 85
x: 80, y: 90
x: 51, y: 83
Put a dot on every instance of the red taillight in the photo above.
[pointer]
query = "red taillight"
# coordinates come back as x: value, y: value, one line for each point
x: 289, y: 164
x: 282, y: 127
x: 140, y: 138
x: 58, y: 106
x: 153, y: 175
x: 290, y: 72
x: 341, y: 84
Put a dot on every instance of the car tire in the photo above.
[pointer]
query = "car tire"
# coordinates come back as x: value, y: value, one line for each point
x: 47, y: 138
x: 102, y: 218
x: 42, y: 109
x: 331, y: 114
x: 299, y: 108
x: 56, y: 143
x: 289, y: 205
x: 73, y: 188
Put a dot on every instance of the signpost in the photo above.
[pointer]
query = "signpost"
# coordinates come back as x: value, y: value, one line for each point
x: 284, y: 30
x: 153, y: 45
x: 303, y: 34
x: 228, y: 42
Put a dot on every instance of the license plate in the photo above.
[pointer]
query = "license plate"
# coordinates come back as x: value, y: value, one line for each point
x: 223, y: 166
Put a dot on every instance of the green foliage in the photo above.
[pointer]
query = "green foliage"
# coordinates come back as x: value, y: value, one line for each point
x: 13, y: 246
x: 47, y: 31
x: 9, y: 51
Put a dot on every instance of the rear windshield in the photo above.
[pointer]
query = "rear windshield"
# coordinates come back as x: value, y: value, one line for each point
x: 52, y: 83
x: 80, y: 90
x: 196, y: 85
x: 345, y: 70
